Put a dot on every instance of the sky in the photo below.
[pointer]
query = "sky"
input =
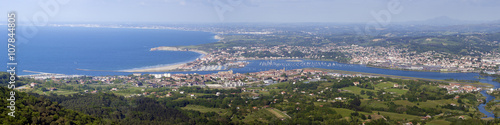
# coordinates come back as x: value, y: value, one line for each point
x: 195, y: 11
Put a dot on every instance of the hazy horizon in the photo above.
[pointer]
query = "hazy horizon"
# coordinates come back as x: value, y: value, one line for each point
x: 273, y: 11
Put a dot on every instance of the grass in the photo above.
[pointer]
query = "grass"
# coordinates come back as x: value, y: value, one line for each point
x: 61, y: 92
x: 259, y: 115
x: 438, y: 122
x: 343, y: 112
x: 357, y: 90
x: 427, y: 104
x: 385, y: 85
x: 204, y: 109
x: 398, y: 91
x: 265, y: 93
x: 374, y: 103
x: 434, y: 103
x: 277, y: 113
x: 325, y: 84
x: 58, y: 92
x: 319, y: 103
x: 129, y: 91
x: 407, y: 103
x: 398, y: 116
x: 122, y: 94
x: 347, y: 112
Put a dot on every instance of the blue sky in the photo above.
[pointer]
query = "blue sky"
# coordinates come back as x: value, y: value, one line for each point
x: 181, y: 11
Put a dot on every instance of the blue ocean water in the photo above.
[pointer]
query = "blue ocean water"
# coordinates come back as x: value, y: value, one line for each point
x: 64, y: 49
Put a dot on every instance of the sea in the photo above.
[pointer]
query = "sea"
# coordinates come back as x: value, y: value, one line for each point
x: 63, y: 50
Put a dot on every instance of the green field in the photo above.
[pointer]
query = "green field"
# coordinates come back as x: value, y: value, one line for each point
x: 434, y: 103
x: 407, y: 103
x: 58, y: 92
x: 61, y: 92
x: 374, y: 103
x: 438, y: 122
x: 277, y: 113
x: 356, y: 90
x: 388, y: 86
x: 385, y: 85
x: 129, y: 91
x: 398, y: 91
x: 204, y: 109
x: 347, y: 112
x: 398, y: 116
x: 259, y: 115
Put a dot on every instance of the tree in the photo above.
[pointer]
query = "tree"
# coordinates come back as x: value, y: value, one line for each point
x: 356, y: 102
x: 363, y: 117
x: 355, y: 114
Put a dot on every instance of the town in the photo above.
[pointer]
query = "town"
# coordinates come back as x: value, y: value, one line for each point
x: 220, y: 80
x: 354, y: 54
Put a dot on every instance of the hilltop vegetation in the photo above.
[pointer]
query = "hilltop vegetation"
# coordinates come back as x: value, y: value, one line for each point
x: 466, y: 44
x: 35, y: 110
x: 5, y: 78
x: 138, y: 110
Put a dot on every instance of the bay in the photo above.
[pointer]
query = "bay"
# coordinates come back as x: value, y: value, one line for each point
x: 64, y: 49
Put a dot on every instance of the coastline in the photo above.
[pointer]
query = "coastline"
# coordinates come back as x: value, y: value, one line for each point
x: 173, y: 67
x: 218, y: 38
x: 168, y: 48
x: 157, y: 69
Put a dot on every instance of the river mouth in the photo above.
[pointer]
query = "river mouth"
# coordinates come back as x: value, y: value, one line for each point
x: 481, y: 106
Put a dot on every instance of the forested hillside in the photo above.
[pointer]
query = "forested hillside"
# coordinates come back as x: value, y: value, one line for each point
x: 138, y: 110
x: 39, y: 111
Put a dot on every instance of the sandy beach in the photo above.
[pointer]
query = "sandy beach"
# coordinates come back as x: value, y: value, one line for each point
x: 157, y: 69
x: 167, y: 48
x: 169, y: 67
x: 217, y: 37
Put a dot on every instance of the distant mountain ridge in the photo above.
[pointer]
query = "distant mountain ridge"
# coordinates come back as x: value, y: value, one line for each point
x: 444, y: 21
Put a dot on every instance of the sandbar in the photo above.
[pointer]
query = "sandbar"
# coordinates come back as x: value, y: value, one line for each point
x: 157, y: 69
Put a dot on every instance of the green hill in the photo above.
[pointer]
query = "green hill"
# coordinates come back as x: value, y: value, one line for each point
x: 32, y: 110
